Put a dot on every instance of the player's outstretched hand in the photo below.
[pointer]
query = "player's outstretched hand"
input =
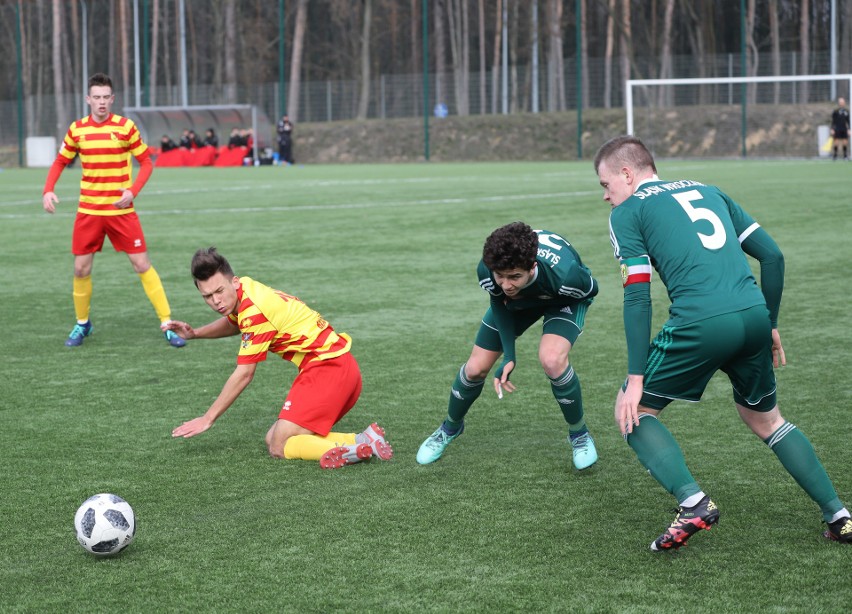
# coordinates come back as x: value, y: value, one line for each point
x: 196, y: 426
x: 778, y: 357
x: 181, y: 328
x: 49, y: 201
x: 501, y: 379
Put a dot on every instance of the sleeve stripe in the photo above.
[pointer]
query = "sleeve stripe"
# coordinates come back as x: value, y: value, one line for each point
x: 747, y: 232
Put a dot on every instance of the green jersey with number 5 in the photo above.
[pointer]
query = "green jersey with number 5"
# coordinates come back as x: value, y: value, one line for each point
x: 691, y: 234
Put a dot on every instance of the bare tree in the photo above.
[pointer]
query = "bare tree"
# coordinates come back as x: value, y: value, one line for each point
x: 459, y: 30
x: 804, y: 47
x: 752, y: 55
x: 625, y: 41
x: 495, y: 66
x: 439, y: 50
x: 555, y: 63
x: 608, y: 53
x: 364, y: 98
x: 62, y: 121
x: 296, y: 60
x: 155, y: 56
x: 230, y: 88
x: 775, y: 42
x: 416, y: 63
x: 482, y: 62
x: 124, y: 61
x: 584, y: 50
x: 513, y: 57
x: 666, y: 96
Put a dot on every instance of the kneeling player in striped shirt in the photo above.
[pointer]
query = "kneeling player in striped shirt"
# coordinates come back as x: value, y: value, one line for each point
x: 329, y: 380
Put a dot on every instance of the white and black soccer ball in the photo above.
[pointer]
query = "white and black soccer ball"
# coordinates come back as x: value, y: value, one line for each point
x: 105, y: 524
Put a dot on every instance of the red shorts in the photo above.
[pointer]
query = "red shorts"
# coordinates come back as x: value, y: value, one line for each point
x: 124, y: 232
x: 322, y: 393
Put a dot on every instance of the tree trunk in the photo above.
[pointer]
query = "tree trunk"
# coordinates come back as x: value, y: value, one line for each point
x: 625, y: 42
x: 775, y: 40
x: 555, y: 62
x: 230, y: 58
x: 514, y: 29
x: 73, y: 55
x: 584, y: 50
x: 440, y: 47
x: 608, y: 52
x: 457, y: 17
x: 804, y: 48
x: 752, y: 58
x: 483, y: 71
x: 62, y: 121
x: 296, y: 60
x: 416, y: 63
x: 666, y: 97
x: 495, y: 65
x: 364, y: 98
x: 155, y: 55
x: 124, y: 34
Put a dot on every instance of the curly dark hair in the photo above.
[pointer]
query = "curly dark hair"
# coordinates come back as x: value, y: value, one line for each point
x: 513, y: 246
x: 207, y: 262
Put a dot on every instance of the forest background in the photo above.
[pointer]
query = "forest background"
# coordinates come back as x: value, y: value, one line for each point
x: 363, y: 59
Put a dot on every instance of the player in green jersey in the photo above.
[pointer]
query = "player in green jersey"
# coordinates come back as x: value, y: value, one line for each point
x: 719, y: 319
x: 530, y: 275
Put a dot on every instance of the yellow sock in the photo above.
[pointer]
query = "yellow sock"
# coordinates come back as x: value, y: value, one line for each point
x: 82, y: 297
x: 312, y: 447
x: 156, y: 294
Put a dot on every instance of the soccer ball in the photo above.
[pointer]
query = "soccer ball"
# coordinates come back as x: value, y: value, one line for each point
x: 105, y: 524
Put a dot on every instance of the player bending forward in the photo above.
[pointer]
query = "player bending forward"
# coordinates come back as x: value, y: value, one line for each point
x: 329, y: 380
x: 530, y: 275
x: 719, y: 320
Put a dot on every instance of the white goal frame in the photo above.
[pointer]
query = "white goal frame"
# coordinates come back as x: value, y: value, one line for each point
x: 631, y: 83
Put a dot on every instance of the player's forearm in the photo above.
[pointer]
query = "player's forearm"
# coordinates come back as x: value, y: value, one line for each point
x: 53, y: 174
x: 222, y: 327
x: 505, y: 328
x: 233, y: 388
x: 146, y: 167
x: 761, y: 246
x: 637, y: 326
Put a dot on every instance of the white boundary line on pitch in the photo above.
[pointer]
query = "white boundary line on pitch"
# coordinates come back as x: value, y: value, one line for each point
x: 279, y: 209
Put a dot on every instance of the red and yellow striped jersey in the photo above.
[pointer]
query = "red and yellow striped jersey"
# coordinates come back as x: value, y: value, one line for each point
x: 272, y: 321
x: 104, y: 151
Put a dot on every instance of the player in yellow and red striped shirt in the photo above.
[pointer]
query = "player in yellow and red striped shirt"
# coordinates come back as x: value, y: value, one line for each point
x: 105, y: 141
x: 329, y: 380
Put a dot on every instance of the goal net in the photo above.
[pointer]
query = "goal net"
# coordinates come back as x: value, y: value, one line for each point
x: 775, y: 116
x: 154, y: 122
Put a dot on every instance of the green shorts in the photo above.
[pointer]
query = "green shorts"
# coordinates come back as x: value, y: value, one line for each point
x: 563, y: 320
x: 682, y: 359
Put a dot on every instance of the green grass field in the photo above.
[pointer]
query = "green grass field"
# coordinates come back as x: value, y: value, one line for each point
x: 388, y: 254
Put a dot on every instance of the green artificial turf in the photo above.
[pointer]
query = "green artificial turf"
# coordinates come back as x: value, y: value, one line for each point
x: 388, y: 254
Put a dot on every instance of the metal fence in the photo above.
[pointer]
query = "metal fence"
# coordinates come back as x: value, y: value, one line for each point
x: 401, y: 95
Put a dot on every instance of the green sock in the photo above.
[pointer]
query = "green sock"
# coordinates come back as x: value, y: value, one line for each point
x: 661, y: 456
x: 566, y: 390
x: 799, y: 459
x: 462, y: 396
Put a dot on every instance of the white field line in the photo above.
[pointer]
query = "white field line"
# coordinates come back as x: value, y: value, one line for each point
x: 320, y: 207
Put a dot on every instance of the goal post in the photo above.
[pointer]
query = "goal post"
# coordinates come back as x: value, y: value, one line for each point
x: 710, y: 100
x: 153, y: 122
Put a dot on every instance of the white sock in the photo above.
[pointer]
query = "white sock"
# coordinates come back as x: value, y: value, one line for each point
x: 844, y: 513
x: 693, y: 500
